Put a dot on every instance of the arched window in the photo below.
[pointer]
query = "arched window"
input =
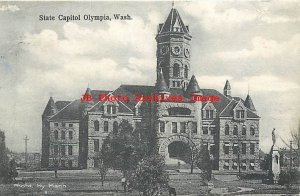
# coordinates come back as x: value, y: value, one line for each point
x: 186, y: 71
x: 252, y: 130
x: 63, y: 135
x: 176, y: 70
x: 115, y: 127
x: 235, y: 130
x: 56, y: 134
x: 244, y: 130
x: 105, y: 126
x: 96, y: 125
x: 226, y: 129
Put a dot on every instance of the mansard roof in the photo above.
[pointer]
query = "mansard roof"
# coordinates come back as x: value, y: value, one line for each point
x: 249, y: 104
x: 173, y: 20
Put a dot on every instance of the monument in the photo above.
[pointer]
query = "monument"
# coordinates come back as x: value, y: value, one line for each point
x: 275, y: 163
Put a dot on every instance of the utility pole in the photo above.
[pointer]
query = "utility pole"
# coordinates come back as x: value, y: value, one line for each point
x: 291, y: 159
x: 26, y: 140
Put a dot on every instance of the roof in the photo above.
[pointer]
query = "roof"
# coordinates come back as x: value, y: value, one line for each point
x: 249, y: 104
x: 227, y: 85
x: 161, y: 85
x: 70, y: 112
x: 228, y: 110
x: 193, y: 86
x: 50, y: 108
x: 61, y: 104
x: 173, y: 21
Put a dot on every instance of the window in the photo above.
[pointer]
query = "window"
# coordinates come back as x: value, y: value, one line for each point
x: 56, y: 149
x: 105, y: 126
x: 174, y: 127
x: 70, y: 135
x: 174, y: 84
x: 176, y: 71
x: 240, y: 114
x: 178, y: 84
x: 108, y: 109
x: 234, y: 165
x: 244, y: 130
x: 226, y: 129
x: 252, y: 148
x: 226, y: 148
x: 251, y: 167
x: 102, y: 108
x: 162, y: 127
x: 252, y: 130
x: 194, y: 127
x: 212, y: 130
x: 226, y: 164
x: 56, y: 134
x: 182, y: 127
x: 209, y: 114
x: 70, y: 150
x: 63, y: 124
x: 235, y: 130
x: 243, y: 148
x: 63, y: 135
x: 243, y: 165
x: 63, y: 163
x: 96, y: 145
x: 205, y: 130
x: 235, y: 148
x: 70, y: 125
x: 56, y: 124
x: 186, y: 71
x: 96, y: 125
x: 114, y: 109
x: 70, y: 164
x: 62, y: 150
x: 115, y: 127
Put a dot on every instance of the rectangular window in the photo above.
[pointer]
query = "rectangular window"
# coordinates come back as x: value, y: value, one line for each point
x: 63, y: 124
x: 70, y: 150
x: 205, y: 130
x: 96, y: 145
x: 70, y: 164
x: 70, y: 125
x: 56, y: 149
x: 162, y: 127
x: 182, y: 127
x: 62, y: 150
x: 174, y: 127
x: 212, y: 130
x: 252, y: 148
x: 234, y: 165
x: 56, y: 124
x: 62, y: 163
x: 108, y: 109
x: 194, y: 127
x: 105, y: 126
x: 207, y: 114
x: 226, y: 148
x: 243, y: 148
x: 251, y: 167
x: 243, y: 165
x: 242, y: 114
x: 114, y: 109
x: 63, y: 135
x: 70, y: 135
x: 235, y: 148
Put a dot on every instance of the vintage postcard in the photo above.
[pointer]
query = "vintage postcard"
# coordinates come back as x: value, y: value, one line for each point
x: 150, y: 97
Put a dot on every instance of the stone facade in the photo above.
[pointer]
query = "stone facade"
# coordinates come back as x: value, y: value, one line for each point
x: 229, y: 127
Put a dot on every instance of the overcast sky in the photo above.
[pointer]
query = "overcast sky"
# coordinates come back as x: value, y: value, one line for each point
x: 255, y: 43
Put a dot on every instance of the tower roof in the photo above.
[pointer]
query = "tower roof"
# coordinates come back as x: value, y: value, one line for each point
x: 50, y: 109
x: 249, y: 104
x: 88, y: 91
x: 193, y: 86
x: 161, y: 85
x: 227, y: 85
x: 174, y: 23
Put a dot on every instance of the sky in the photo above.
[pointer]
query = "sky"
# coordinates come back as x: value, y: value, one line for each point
x: 253, y: 44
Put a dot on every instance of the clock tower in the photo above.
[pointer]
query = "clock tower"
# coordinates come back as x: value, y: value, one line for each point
x: 173, y: 51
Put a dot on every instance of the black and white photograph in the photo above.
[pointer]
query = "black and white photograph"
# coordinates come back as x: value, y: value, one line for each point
x: 150, y: 98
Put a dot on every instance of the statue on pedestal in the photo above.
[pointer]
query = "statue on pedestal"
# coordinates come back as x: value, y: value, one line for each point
x: 275, y: 163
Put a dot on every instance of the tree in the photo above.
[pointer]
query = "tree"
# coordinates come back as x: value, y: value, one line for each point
x: 102, y: 168
x: 195, y: 156
x: 123, y: 149
x: 150, y: 176
x: 204, y: 163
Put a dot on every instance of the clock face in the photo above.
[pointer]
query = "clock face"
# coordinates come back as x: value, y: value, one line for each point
x: 164, y: 50
x: 187, y: 53
x: 176, y: 50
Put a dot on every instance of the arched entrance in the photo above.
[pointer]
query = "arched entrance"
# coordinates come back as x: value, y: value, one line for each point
x: 176, y: 148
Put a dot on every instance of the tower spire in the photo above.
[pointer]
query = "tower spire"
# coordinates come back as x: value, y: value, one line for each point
x: 227, y: 89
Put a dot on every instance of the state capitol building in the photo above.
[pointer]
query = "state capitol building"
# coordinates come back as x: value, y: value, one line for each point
x: 229, y: 127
